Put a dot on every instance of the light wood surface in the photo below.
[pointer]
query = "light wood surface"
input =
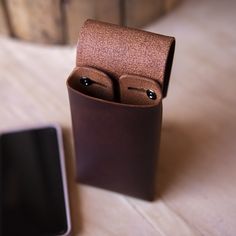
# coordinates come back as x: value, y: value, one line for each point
x: 196, y: 184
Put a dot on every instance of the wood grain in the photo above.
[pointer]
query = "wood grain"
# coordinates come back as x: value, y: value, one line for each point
x: 4, y: 30
x: 109, y: 11
x: 196, y: 178
x: 59, y: 21
x: 139, y: 13
x: 38, y: 21
x: 76, y: 12
x: 169, y: 5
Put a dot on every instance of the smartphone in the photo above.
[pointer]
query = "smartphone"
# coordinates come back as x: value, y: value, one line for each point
x: 33, y: 183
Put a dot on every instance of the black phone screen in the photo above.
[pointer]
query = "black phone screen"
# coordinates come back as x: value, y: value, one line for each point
x: 33, y: 201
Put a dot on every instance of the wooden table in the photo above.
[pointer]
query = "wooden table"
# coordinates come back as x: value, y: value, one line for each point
x: 197, y: 169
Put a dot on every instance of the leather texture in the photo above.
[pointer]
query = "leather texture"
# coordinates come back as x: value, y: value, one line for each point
x: 118, y: 50
x: 116, y: 123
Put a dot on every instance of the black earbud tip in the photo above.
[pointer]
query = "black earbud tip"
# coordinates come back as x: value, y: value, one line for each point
x: 85, y: 81
x: 151, y: 94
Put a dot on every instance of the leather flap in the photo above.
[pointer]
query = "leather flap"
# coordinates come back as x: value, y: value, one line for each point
x: 119, y: 51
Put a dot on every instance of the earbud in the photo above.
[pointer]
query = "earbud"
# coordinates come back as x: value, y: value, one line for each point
x: 138, y: 90
x: 133, y: 89
x: 151, y: 94
x: 93, y: 82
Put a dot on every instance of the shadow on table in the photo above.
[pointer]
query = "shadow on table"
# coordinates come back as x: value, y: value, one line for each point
x: 73, y: 187
x: 181, y: 151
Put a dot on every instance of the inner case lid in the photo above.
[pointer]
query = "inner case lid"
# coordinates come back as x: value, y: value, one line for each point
x: 118, y: 50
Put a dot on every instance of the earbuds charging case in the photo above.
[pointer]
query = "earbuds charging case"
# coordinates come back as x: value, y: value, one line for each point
x: 115, y: 93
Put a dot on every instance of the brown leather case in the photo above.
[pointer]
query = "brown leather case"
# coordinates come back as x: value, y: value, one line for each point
x: 116, y: 121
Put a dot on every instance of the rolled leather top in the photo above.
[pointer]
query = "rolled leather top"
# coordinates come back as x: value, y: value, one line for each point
x: 118, y: 51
